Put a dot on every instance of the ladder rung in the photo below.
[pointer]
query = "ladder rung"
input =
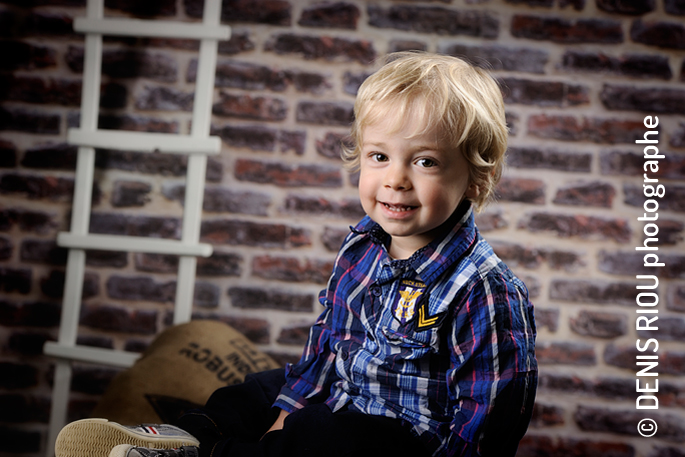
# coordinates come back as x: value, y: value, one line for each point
x: 132, y: 244
x: 93, y: 355
x: 148, y: 28
x: 169, y: 143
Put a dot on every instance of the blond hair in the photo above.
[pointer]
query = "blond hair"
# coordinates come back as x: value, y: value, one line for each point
x: 464, y: 102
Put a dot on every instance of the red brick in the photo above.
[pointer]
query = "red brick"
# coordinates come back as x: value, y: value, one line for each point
x: 491, y: 220
x: 288, y: 175
x: 347, y: 209
x: 260, y: 298
x: 670, y: 232
x: 29, y: 314
x: 31, y: 121
x: 48, y: 91
x: 15, y: 280
x: 330, y: 15
x: 127, y: 194
x: 631, y: 65
x: 235, y: 232
x: 250, y: 107
x: 598, y: 194
x: 258, y: 138
x: 331, y: 145
x: 206, y: 295
x: 565, y: 353
x: 678, y: 137
x: 130, y: 225
x: 599, y: 324
x: 629, y: 7
x: 116, y: 319
x: 515, y: 254
x: 670, y: 362
x: 140, y: 288
x: 129, y: 63
x: 546, y: 415
x: 632, y: 164
x: 543, y: 93
x: 43, y: 251
x: 667, y: 451
x: 406, y: 45
x: 28, y: 221
x: 567, y: 31
x: 623, y: 422
x: 566, y: 225
x: 676, y: 297
x: 593, y: 291
x: 494, y: 57
x: 272, y: 12
x: 30, y: 344
x: 37, y: 187
x: 292, y: 141
x: 322, y: 47
x: 670, y: 329
x: 631, y: 264
x: 673, y: 200
x: 51, y: 156
x: 136, y: 8
x: 352, y: 81
x: 256, y: 330
x: 154, y: 164
x: 244, y: 75
x: 292, y: 269
x: 220, y: 264
x: 6, y: 248
x: 547, y: 317
x: 434, y: 20
x: 225, y: 200
x: 521, y: 190
x: 652, y: 100
x: 137, y: 123
x: 18, y: 55
x: 326, y: 113
x: 239, y: 42
x: 112, y: 259
x: 669, y: 35
x: 296, y: 335
x: 332, y: 238
x: 53, y: 285
x: 163, y: 99
x: 545, y: 446
x: 309, y: 82
x: 569, y: 128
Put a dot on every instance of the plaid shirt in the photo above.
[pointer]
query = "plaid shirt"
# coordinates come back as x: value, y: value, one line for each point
x: 434, y: 340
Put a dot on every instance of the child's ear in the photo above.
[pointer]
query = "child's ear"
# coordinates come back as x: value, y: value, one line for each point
x: 473, y: 191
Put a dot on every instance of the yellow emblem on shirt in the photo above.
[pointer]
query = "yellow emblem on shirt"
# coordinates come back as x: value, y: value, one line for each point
x: 404, y: 307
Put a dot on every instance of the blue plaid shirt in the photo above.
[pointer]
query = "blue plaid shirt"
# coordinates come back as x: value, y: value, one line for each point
x: 436, y: 340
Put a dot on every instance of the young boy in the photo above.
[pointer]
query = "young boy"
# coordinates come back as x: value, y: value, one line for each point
x: 426, y: 342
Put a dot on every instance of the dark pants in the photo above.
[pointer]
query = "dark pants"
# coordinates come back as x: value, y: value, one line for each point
x: 235, y: 418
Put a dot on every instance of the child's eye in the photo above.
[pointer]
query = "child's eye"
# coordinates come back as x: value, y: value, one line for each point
x: 426, y: 163
x: 378, y: 157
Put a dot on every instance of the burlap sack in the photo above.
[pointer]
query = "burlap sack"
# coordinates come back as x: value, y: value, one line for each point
x: 179, y: 371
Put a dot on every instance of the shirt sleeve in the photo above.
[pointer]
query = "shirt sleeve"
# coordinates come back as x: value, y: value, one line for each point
x: 493, y: 372
x: 310, y: 379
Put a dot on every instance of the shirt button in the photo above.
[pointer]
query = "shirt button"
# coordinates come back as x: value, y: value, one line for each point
x: 376, y: 290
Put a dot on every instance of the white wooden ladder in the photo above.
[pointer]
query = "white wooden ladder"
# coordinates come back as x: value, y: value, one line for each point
x: 197, y: 145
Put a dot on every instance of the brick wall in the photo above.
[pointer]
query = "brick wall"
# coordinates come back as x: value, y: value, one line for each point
x: 580, y: 77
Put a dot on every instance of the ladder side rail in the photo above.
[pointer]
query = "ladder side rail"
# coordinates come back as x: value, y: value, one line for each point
x: 151, y: 28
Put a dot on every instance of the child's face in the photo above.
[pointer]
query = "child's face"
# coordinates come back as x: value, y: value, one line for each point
x: 410, y: 186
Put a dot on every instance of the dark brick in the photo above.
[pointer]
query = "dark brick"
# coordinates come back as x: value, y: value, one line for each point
x: 21, y: 440
x: 113, y: 259
x: 239, y: 42
x: 632, y: 164
x: 15, y: 280
x: 215, y: 170
x: 258, y: 138
x: 675, y: 7
x: 632, y: 263
x: 6, y: 248
x: 546, y: 415
x: 294, y: 334
x: 543, y: 3
x: 29, y: 314
x: 326, y: 113
x: 150, y: 226
x: 134, y: 345
x: 137, y: 124
x: 116, y: 319
x: 676, y: 297
x: 48, y: 91
x: 667, y: 35
x: 352, y: 81
x: 567, y: 31
x: 140, y: 288
x: 541, y: 446
x: 598, y: 194
x: 51, y: 156
x: 292, y: 269
x: 18, y: 55
x: 521, y: 190
x: 566, y: 225
x: 332, y: 239
x: 543, y: 93
x: 493, y: 57
x: 515, y: 254
x: 130, y: 193
x: 53, y: 285
x: 313, y: 83
x: 224, y: 200
x: 28, y: 344
x: 31, y: 121
x: 136, y: 8
x: 434, y: 20
x: 272, y: 12
x: 670, y: 329
x: 235, y: 232
x: 95, y: 341
x: 206, y: 295
x: 129, y: 63
x: 545, y: 317
x: 651, y: 100
x: 245, y: 106
x: 599, y: 324
x: 245, y: 297
x: 593, y: 291
x: 28, y: 221
x: 670, y: 362
x: 244, y: 75
x: 154, y: 164
x: 331, y: 145
x: 91, y: 380
x: 601, y: 419
x: 569, y: 128
x: 491, y: 220
x: 17, y: 376
x: 156, y: 263
x: 220, y: 264
x: 37, y: 187
x: 256, y: 330
x: 673, y: 200
x: 667, y: 451
x: 632, y: 65
x: 406, y: 45
x: 322, y: 47
x: 43, y: 251
x: 565, y: 353
x: 287, y: 175
x: 348, y: 209
x: 630, y: 7
x: 330, y: 15
x: 8, y: 154
x: 292, y: 141
x: 670, y: 232
x: 163, y: 98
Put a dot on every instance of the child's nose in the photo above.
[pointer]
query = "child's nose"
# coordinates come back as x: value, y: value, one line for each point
x: 397, y: 178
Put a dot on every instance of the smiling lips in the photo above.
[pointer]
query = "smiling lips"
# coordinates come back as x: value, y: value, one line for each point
x: 398, y: 208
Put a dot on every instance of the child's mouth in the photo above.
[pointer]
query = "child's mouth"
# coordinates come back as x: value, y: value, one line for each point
x: 398, y: 208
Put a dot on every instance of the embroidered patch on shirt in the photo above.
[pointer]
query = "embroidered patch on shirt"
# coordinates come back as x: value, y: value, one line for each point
x: 404, y: 305
x: 425, y: 320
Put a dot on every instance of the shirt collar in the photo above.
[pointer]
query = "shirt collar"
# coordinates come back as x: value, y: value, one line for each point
x: 458, y: 235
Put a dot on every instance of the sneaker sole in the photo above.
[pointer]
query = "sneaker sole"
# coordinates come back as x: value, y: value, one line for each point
x: 97, y: 437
